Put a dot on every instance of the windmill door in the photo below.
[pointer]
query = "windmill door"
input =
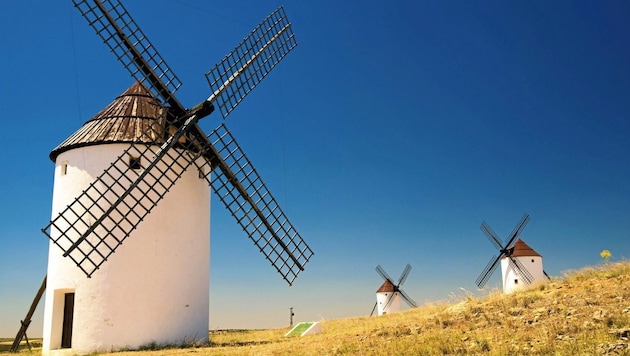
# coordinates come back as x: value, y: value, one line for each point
x: 68, y: 314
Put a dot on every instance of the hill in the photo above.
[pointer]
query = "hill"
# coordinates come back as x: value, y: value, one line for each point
x: 584, y: 312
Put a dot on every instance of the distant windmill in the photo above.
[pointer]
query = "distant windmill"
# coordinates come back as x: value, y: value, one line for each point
x: 520, y: 264
x: 389, y: 295
x: 143, y: 149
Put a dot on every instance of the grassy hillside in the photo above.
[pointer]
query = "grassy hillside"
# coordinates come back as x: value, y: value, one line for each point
x: 585, y: 312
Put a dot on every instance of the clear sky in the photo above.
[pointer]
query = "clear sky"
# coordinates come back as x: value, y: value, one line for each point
x: 388, y: 135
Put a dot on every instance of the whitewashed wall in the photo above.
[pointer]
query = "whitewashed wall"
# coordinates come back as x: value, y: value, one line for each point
x: 154, y: 288
x: 512, y: 281
x: 383, y: 307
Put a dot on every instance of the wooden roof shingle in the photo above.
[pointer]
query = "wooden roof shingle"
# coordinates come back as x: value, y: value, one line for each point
x: 520, y: 248
x: 134, y: 116
x: 387, y: 286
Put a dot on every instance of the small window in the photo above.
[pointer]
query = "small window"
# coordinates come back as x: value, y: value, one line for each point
x: 202, y: 174
x: 516, y: 281
x: 64, y: 168
x: 532, y: 260
x: 134, y: 163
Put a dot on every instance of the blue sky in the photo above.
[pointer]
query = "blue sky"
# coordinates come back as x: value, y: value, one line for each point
x: 388, y: 135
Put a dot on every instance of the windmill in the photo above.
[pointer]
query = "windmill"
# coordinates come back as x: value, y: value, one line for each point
x: 520, y: 264
x: 388, y: 296
x: 142, y: 168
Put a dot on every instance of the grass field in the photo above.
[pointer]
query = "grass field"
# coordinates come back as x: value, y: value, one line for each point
x: 586, y: 312
x: 5, y: 345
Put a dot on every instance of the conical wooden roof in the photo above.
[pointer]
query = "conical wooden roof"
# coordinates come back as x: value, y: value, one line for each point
x: 387, y: 286
x: 520, y: 248
x: 126, y: 119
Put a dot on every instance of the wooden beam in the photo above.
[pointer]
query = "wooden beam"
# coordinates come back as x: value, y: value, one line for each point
x: 27, y: 320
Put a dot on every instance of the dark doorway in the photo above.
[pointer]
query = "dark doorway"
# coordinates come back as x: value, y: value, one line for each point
x: 68, y: 314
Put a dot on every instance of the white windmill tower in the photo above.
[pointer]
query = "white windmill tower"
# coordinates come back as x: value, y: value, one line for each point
x: 529, y: 259
x: 389, y: 296
x: 521, y: 266
x: 143, y: 149
x: 160, y: 277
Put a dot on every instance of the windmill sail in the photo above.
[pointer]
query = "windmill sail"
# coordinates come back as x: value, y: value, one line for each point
x: 503, y: 253
x: 407, y: 299
x: 250, y: 61
x: 404, y: 275
x: 384, y: 274
x: 392, y: 289
x: 491, y: 235
x: 132, y: 48
x: 97, y: 222
x: 517, y: 230
x: 246, y: 196
x: 487, y: 271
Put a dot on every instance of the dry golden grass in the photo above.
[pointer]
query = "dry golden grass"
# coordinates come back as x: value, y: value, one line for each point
x: 587, y: 312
